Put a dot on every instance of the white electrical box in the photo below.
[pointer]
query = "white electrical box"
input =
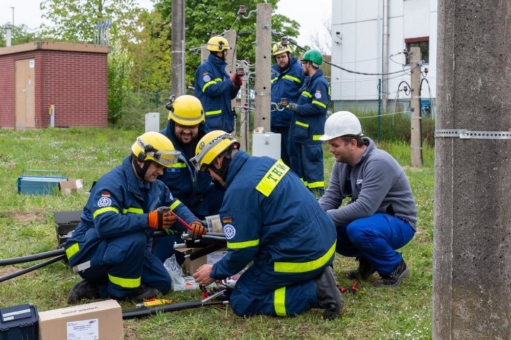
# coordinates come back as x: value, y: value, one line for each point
x: 152, y: 121
x: 266, y: 144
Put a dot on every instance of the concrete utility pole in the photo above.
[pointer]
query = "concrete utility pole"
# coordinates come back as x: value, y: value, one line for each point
x: 416, y: 138
x: 263, y: 65
x: 472, y: 236
x: 178, y: 38
x: 385, y: 55
x: 243, y: 113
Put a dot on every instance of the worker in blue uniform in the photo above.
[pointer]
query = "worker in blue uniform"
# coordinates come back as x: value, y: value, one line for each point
x: 215, y: 89
x: 193, y: 188
x: 270, y: 219
x: 110, y: 248
x: 286, y: 81
x: 307, y: 126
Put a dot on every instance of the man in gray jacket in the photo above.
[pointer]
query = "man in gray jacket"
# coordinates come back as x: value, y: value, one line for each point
x: 381, y: 216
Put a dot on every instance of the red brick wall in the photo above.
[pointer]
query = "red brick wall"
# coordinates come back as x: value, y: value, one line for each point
x: 75, y: 82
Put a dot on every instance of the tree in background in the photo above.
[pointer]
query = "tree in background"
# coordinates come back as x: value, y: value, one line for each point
x: 75, y: 20
x: 204, y: 18
x: 20, y: 34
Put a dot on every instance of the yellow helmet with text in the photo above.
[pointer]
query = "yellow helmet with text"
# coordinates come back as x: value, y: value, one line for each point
x: 186, y: 110
x: 279, y: 49
x: 156, y: 147
x: 210, y: 147
x: 217, y: 44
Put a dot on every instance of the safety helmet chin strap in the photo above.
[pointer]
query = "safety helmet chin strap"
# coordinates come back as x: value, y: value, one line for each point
x: 141, y: 171
x: 222, y: 172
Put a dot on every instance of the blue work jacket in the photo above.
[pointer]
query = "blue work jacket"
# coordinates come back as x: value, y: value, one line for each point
x: 215, y: 90
x: 183, y: 181
x: 308, y: 122
x: 285, y: 84
x: 118, y: 205
x: 269, y: 217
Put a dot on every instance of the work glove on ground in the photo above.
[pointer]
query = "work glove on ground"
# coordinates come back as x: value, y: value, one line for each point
x: 161, y: 218
x: 292, y: 106
x: 198, y: 230
x: 236, y: 80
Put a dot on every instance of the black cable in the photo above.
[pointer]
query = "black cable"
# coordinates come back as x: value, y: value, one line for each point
x: 27, y: 270
x: 30, y: 258
x: 141, y: 312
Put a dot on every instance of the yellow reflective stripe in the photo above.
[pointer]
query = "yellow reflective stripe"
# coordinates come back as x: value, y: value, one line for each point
x: 211, y: 113
x: 132, y: 210
x: 307, y: 94
x: 316, y: 137
x: 314, y: 185
x: 319, y: 104
x: 104, y: 210
x: 287, y: 76
x: 125, y: 283
x: 175, y: 204
x: 302, y: 124
x: 279, y: 301
x: 274, y: 79
x: 303, y: 267
x: 208, y: 84
x: 272, y: 178
x: 75, y: 248
x: 178, y: 165
x: 241, y: 245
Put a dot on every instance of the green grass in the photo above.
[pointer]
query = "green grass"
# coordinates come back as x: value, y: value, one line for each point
x: 27, y: 227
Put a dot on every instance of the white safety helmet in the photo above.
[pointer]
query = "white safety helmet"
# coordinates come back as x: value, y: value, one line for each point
x: 341, y: 123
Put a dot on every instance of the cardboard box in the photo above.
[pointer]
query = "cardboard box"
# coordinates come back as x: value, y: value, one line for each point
x: 71, y: 186
x: 98, y: 320
x: 190, y: 266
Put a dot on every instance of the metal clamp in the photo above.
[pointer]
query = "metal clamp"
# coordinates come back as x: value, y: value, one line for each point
x: 466, y: 134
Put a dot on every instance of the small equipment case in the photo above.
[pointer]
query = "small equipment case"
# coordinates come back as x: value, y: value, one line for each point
x: 19, y: 322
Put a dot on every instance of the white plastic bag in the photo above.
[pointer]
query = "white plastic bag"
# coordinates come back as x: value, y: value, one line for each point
x: 176, y: 274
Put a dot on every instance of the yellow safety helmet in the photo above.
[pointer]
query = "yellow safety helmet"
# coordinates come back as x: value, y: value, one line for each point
x: 187, y: 110
x: 210, y: 147
x: 279, y: 49
x: 218, y: 44
x: 156, y: 147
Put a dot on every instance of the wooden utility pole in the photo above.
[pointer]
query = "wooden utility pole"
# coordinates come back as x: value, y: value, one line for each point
x: 416, y: 138
x: 263, y: 64
x: 177, y: 54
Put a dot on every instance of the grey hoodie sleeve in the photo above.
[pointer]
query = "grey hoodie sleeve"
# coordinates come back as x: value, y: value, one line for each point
x: 333, y: 197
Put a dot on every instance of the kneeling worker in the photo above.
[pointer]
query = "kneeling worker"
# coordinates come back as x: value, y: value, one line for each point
x: 110, y: 248
x: 269, y: 217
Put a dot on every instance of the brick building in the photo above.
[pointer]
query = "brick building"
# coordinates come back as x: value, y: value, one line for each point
x: 70, y: 78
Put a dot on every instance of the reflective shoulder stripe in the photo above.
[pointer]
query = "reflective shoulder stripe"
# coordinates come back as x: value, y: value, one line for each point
x: 287, y: 76
x: 306, y: 94
x: 314, y: 185
x: 302, y: 124
x: 316, y: 137
x: 178, y: 165
x: 242, y: 245
x: 75, y: 248
x: 303, y: 267
x: 279, y: 301
x: 218, y: 80
x: 104, y: 210
x: 175, y: 204
x: 212, y: 113
x: 272, y: 178
x: 132, y: 210
x: 318, y: 103
x: 274, y: 79
x: 125, y: 283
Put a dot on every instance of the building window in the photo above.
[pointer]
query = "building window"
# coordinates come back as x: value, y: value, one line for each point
x: 423, y: 43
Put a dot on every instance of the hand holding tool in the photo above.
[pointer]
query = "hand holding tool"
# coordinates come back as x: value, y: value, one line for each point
x: 161, y: 218
x: 236, y: 79
x: 198, y: 230
x: 292, y: 106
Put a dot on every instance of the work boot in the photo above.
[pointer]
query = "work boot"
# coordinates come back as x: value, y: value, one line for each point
x: 328, y: 293
x: 365, y: 270
x: 145, y: 293
x: 394, y: 279
x: 83, y: 290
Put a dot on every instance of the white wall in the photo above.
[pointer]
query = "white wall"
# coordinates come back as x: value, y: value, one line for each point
x: 360, y: 47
